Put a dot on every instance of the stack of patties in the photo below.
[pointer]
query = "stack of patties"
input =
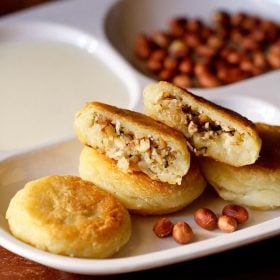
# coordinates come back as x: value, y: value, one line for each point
x: 229, y: 146
x: 142, y: 162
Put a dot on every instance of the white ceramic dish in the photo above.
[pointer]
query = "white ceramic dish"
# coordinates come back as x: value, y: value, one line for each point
x: 144, y: 250
x: 112, y: 25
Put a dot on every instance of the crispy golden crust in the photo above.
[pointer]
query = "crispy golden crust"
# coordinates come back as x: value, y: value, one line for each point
x: 137, y: 191
x: 68, y: 216
x: 120, y: 133
x: 256, y: 185
x: 226, y: 114
x: 238, y: 144
x: 137, y: 121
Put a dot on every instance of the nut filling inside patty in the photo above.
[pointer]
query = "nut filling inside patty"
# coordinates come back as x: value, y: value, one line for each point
x: 132, y: 151
x: 197, y: 126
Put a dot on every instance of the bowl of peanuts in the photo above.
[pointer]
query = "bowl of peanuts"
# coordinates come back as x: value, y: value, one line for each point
x: 194, y: 44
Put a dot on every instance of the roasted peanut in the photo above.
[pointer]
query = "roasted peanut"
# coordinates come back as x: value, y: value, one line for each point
x: 221, y: 18
x: 237, y: 19
x: 230, y: 75
x: 239, y: 213
x: 206, y: 32
x: 246, y: 65
x: 163, y: 227
x: 234, y: 57
x: 222, y: 33
x: 215, y: 42
x: 258, y: 35
x: 192, y: 40
x: 206, y: 218
x: 259, y: 60
x: 227, y: 224
x: 170, y: 63
x: 193, y: 25
x: 249, y: 44
x: 250, y: 23
x: 222, y: 74
x: 158, y: 55
x: 186, y: 66
x: 201, y: 68
x: 161, y: 39
x: 154, y: 65
x: 220, y: 63
x: 182, y: 81
x: 207, y: 79
x: 273, y: 56
x: 178, y: 48
x: 177, y: 26
x: 271, y: 30
x: 236, y: 35
x: 204, y: 50
x: 225, y: 52
x: 257, y: 71
x: 166, y: 75
x: 182, y: 233
x: 142, y: 47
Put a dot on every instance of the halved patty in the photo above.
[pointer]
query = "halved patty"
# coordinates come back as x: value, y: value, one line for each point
x: 211, y: 130
x: 135, y: 141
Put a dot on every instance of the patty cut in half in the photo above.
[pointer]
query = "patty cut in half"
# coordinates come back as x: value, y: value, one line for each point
x: 135, y: 141
x: 256, y: 185
x: 211, y: 130
x: 136, y: 191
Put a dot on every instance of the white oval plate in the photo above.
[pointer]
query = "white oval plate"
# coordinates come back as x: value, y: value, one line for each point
x: 105, y: 22
x: 144, y: 250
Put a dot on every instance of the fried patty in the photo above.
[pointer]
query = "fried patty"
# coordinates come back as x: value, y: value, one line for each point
x: 135, y: 141
x: 69, y: 216
x: 137, y: 192
x: 256, y: 185
x: 211, y: 130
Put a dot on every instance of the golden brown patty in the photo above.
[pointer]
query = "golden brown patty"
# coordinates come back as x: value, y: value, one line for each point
x: 137, y: 191
x: 68, y: 216
x: 211, y: 130
x: 135, y: 141
x: 256, y: 185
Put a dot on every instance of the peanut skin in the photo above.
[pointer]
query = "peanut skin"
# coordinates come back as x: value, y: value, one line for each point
x: 227, y: 224
x: 163, y: 228
x: 236, y: 211
x: 182, y: 233
x: 206, y: 218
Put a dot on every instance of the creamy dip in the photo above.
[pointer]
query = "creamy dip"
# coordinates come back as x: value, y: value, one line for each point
x: 43, y: 84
